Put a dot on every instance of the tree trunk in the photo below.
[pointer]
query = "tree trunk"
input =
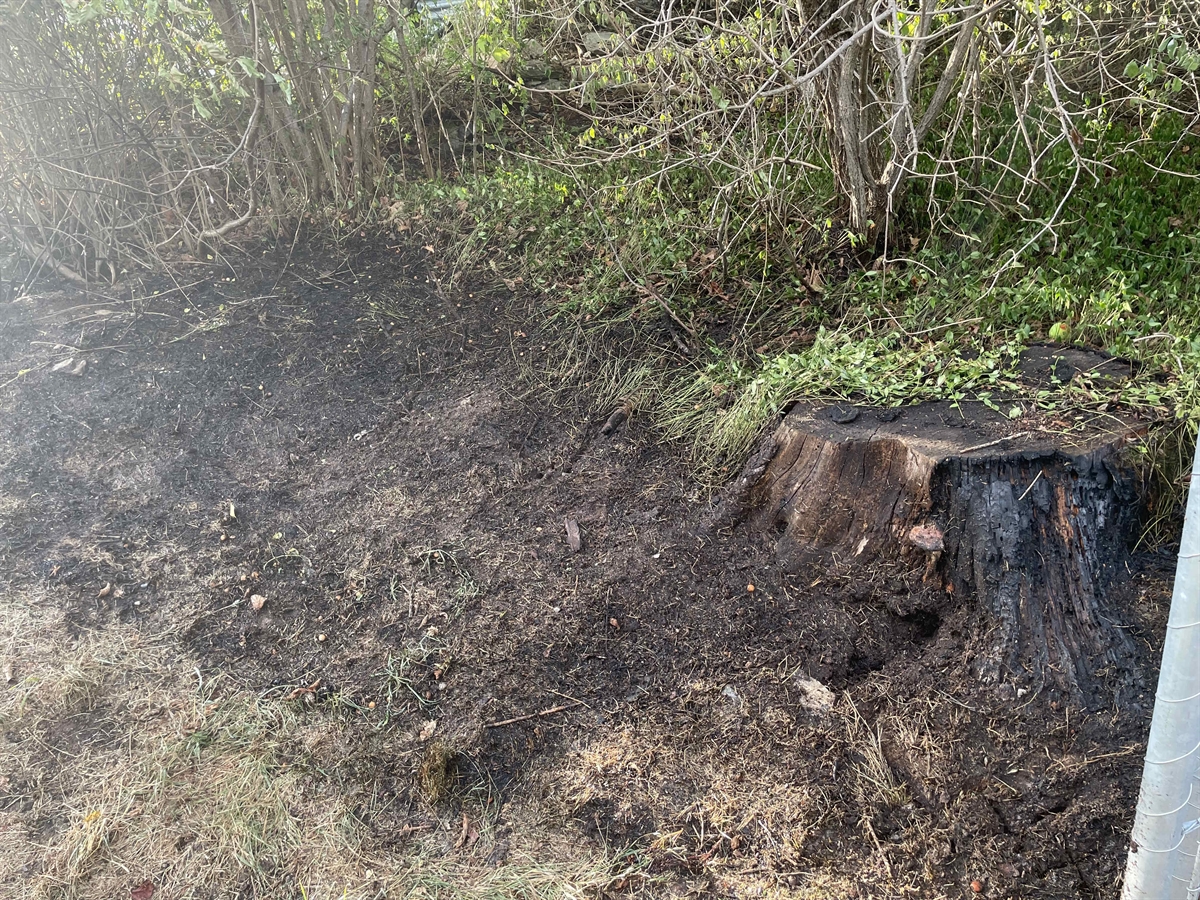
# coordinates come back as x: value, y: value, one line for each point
x: 854, y: 128
x: 1030, y: 523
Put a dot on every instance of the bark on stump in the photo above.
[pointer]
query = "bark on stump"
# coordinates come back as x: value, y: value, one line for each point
x: 1032, y: 524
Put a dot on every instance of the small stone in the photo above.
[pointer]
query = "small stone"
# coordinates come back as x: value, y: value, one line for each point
x: 977, y: 886
x: 322, y: 638
x: 816, y: 697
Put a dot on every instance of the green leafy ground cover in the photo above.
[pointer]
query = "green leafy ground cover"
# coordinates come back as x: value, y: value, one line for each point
x: 711, y: 340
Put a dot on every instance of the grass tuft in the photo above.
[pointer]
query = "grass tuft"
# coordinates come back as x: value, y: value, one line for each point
x: 438, y: 773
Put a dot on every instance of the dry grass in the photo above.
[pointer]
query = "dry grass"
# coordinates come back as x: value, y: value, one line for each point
x: 123, y: 765
x: 763, y: 810
x: 876, y: 785
x: 120, y: 764
x: 437, y: 773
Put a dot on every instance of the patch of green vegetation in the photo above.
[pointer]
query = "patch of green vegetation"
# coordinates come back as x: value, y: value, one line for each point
x: 618, y: 242
x: 772, y: 313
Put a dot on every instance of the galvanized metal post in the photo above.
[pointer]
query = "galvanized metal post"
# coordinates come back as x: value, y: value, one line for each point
x: 1164, y: 851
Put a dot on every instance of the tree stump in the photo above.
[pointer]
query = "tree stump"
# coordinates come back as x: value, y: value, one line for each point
x: 1032, y: 523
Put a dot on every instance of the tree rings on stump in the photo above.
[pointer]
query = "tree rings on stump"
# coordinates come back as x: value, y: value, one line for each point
x: 1031, y: 521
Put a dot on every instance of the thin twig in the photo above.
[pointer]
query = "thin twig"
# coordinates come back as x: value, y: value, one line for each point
x: 569, y: 697
x: 866, y: 820
x: 1006, y: 438
x: 545, y: 712
x: 1025, y: 493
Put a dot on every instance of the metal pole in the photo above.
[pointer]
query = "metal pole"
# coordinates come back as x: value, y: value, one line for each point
x: 1164, y: 851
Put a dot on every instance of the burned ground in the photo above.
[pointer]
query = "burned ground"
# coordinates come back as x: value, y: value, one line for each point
x: 386, y: 469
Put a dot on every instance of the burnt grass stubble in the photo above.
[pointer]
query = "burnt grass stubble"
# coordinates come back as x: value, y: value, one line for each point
x: 358, y: 447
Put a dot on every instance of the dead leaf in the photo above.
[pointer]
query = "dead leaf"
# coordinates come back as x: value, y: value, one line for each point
x: 106, y: 590
x: 428, y: 729
x: 574, y: 541
x: 8, y: 672
x: 301, y: 691
x: 143, y: 891
x: 257, y: 601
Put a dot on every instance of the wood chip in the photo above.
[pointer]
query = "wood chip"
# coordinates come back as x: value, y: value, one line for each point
x: 574, y: 541
x: 69, y: 366
x: 927, y: 537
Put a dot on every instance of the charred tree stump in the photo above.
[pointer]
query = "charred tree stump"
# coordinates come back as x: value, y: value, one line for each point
x: 1032, y: 524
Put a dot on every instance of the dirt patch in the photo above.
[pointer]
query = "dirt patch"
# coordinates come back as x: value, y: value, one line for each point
x: 368, y: 455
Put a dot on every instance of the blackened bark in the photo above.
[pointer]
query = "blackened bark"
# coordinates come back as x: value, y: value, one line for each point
x: 1032, y: 525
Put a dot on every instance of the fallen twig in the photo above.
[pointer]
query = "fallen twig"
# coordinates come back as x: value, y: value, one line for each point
x: 545, y: 712
x: 866, y: 821
x: 1031, y: 484
x: 1007, y: 437
x: 21, y: 374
